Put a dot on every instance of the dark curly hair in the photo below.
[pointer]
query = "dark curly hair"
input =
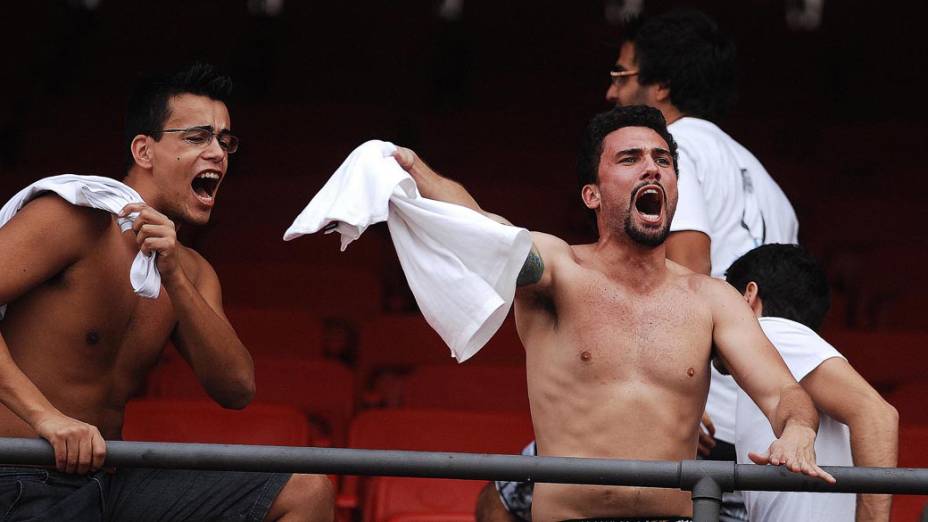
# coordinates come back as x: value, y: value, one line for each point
x: 789, y: 280
x: 591, y: 146
x: 685, y: 50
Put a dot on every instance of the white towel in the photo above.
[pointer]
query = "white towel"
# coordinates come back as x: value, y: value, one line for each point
x: 461, y: 266
x: 100, y: 193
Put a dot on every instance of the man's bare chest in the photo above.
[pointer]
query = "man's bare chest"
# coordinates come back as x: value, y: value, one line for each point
x: 611, y: 333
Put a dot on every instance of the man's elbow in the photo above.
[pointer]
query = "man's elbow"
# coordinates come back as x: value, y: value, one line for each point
x: 236, y: 393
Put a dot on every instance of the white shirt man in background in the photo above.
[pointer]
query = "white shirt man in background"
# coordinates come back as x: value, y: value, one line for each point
x: 788, y: 292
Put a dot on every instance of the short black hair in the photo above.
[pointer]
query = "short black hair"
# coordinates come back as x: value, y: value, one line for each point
x: 591, y: 146
x: 685, y: 50
x: 149, y: 103
x: 791, y: 283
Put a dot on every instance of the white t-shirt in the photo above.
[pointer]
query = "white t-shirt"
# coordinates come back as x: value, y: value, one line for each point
x: 803, y: 350
x: 727, y: 194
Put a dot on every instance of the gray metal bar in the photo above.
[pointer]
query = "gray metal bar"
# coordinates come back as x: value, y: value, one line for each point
x: 707, y: 500
x: 569, y: 470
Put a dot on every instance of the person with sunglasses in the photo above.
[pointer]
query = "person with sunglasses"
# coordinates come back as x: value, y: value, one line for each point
x: 76, y: 342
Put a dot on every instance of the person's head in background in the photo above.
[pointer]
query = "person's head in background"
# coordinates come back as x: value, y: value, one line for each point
x: 782, y: 281
x: 678, y: 63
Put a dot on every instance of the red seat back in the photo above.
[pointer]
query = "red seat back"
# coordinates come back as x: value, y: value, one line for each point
x: 400, y: 497
x: 466, y: 387
x: 163, y: 420
x: 321, y: 389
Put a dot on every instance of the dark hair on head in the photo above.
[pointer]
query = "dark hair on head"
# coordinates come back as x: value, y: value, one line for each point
x: 149, y: 103
x: 789, y: 280
x: 684, y: 50
x: 591, y: 146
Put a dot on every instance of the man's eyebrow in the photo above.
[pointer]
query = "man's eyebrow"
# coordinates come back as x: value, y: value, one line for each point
x: 661, y: 151
x: 635, y: 151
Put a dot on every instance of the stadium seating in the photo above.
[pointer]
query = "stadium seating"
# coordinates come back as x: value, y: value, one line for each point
x: 433, y: 430
x: 278, y: 331
x: 398, y: 498
x: 406, y: 341
x: 173, y: 420
x: 468, y: 387
x: 885, y: 359
x: 322, y: 390
x: 328, y: 291
x: 913, y: 453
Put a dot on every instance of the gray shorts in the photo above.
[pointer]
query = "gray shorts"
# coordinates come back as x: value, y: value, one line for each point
x: 137, y: 495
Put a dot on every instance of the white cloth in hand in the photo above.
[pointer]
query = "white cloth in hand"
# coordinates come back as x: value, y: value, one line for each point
x: 100, y: 193
x: 461, y: 266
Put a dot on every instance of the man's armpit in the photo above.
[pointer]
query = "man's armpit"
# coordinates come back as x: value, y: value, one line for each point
x: 532, y: 270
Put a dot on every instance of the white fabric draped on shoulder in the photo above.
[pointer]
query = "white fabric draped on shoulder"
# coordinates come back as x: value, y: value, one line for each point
x: 100, y: 193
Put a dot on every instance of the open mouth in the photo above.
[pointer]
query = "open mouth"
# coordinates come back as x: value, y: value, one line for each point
x: 649, y: 201
x: 205, y: 185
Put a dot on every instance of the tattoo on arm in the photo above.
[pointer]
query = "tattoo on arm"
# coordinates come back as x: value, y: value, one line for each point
x: 532, y: 270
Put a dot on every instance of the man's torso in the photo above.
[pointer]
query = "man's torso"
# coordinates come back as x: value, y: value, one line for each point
x: 615, y: 372
x: 85, y: 338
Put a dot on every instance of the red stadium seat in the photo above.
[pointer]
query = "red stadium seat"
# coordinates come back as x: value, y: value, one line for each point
x: 397, y: 498
x: 441, y: 430
x: 466, y: 387
x: 913, y: 453
x: 408, y: 341
x: 322, y: 389
x: 433, y: 517
x: 435, y: 430
x: 164, y: 420
x: 278, y: 331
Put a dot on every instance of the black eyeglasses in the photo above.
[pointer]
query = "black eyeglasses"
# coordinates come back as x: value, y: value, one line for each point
x: 203, y: 136
x: 618, y: 76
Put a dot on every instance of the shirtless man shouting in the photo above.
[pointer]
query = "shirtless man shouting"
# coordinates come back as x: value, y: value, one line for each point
x: 76, y: 342
x: 618, y: 339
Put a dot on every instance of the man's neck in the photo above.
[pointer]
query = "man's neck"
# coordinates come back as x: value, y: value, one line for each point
x: 138, y: 182
x: 625, y: 259
x: 671, y: 113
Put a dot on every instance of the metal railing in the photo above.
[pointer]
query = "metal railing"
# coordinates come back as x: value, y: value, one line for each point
x: 705, y: 479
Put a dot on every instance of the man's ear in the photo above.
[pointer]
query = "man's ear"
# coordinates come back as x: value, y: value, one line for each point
x: 141, y: 150
x: 752, y: 296
x: 662, y: 92
x: 590, y: 196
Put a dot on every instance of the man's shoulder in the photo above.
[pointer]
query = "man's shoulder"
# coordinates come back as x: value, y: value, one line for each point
x: 196, y: 265
x: 52, y: 210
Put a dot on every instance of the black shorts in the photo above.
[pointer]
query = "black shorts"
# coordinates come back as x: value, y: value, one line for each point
x: 137, y: 495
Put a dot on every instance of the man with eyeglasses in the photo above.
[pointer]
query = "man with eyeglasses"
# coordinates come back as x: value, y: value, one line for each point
x: 76, y: 343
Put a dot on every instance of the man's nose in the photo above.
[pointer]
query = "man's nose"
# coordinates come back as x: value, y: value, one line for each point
x: 612, y: 94
x: 214, y: 151
x: 651, y: 170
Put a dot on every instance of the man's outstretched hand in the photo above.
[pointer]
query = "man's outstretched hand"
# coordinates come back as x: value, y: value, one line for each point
x: 795, y: 449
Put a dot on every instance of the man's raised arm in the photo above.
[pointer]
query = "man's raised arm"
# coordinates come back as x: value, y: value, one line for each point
x: 535, y: 273
x: 760, y: 371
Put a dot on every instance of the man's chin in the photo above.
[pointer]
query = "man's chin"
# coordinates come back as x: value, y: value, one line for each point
x: 650, y: 238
